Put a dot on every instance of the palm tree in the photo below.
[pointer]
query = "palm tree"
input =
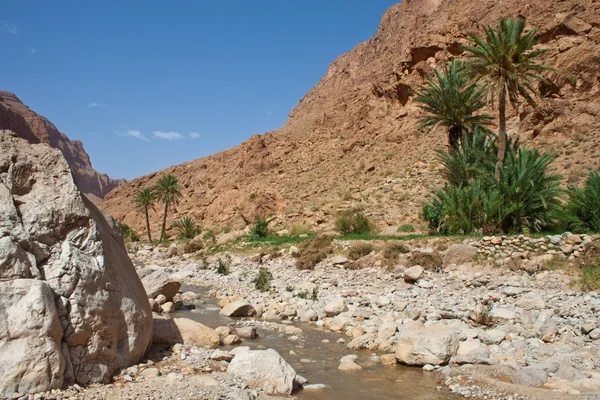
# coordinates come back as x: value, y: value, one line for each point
x: 505, y: 63
x: 168, y: 191
x: 144, y: 200
x: 186, y: 228
x: 452, y: 101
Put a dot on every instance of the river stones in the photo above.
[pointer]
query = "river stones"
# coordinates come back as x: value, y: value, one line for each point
x: 238, y: 309
x: 335, y: 307
x: 159, y: 283
x: 181, y: 330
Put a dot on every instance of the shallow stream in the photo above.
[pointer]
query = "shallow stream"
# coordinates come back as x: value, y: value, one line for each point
x: 318, y: 362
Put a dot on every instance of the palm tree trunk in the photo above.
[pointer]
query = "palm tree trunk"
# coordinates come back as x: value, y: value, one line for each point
x: 164, y: 222
x: 148, y: 225
x: 502, y: 137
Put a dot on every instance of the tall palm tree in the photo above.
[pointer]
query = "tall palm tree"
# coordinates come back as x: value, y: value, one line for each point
x: 505, y: 63
x: 452, y: 101
x: 144, y: 200
x: 168, y: 191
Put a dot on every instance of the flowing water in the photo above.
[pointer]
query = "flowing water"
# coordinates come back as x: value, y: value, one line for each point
x: 318, y: 362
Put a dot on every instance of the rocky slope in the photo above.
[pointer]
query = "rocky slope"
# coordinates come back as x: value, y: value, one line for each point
x: 352, y: 140
x: 17, y: 117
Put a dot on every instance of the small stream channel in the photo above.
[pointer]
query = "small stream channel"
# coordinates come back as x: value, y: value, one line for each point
x: 318, y: 362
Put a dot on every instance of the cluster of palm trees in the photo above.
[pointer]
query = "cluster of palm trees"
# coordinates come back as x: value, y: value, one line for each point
x: 167, y: 191
x: 500, y: 67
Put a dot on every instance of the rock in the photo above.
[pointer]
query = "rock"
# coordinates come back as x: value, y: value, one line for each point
x: 388, y: 360
x: 492, y: 336
x: 335, y: 307
x: 434, y: 344
x: 530, y: 376
x: 168, y: 307
x: 348, y: 365
x: 72, y: 308
x: 387, y: 330
x: 220, y: 355
x: 158, y: 282
x: 595, y: 334
x: 531, y: 301
x: 181, y: 330
x: 231, y: 340
x: 294, y: 251
x: 459, y: 254
x: 246, y: 332
x: 263, y: 370
x: 413, y: 274
x: 314, y: 387
x: 160, y: 299
x: 150, y: 373
x: 238, y: 309
x: 339, y: 260
x: 239, y: 349
x: 472, y: 351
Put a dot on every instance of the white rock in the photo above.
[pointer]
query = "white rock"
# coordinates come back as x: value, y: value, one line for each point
x: 263, y: 370
x: 434, y: 344
x: 335, y: 307
x: 413, y: 274
x: 238, y: 309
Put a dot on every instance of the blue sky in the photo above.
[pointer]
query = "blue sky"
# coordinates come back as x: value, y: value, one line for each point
x: 148, y: 84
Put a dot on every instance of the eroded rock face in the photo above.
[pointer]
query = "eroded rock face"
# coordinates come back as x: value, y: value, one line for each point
x: 72, y: 307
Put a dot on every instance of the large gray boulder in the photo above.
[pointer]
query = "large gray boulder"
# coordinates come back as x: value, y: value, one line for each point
x: 434, y: 344
x: 158, y: 282
x: 238, y: 309
x: 182, y: 330
x: 72, y: 308
x: 264, y: 370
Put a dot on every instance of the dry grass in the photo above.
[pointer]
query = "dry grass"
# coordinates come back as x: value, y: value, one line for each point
x: 313, y: 251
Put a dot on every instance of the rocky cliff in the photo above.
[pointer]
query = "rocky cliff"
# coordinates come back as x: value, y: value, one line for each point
x: 17, y: 117
x: 353, y: 141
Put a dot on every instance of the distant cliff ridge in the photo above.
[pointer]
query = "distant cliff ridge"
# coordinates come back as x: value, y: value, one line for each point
x: 17, y: 117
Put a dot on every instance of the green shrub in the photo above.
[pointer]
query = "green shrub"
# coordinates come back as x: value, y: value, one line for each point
x: 313, y: 251
x: 407, y: 228
x: 305, y: 294
x: 590, y: 277
x: 582, y: 212
x: 263, y: 280
x: 128, y: 233
x: 359, y: 250
x: 186, y: 228
x: 260, y: 229
x: 524, y: 199
x: 193, y: 246
x: 391, y: 250
x: 209, y: 235
x: 353, y: 221
x: 223, y: 267
x: 299, y: 229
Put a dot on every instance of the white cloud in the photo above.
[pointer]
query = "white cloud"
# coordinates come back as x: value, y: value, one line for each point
x: 6, y: 26
x: 194, y: 135
x: 168, y: 135
x: 136, y: 134
x: 94, y: 104
x: 33, y: 50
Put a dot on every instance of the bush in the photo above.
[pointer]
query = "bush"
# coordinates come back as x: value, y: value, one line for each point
x: 590, y: 277
x: 359, y: 250
x: 209, y: 235
x: 193, y: 246
x: 313, y: 251
x: 260, y: 229
x: 299, y: 229
x: 407, y: 228
x: 391, y: 250
x: 223, y: 267
x: 263, y: 280
x: 186, y: 228
x: 128, y: 233
x: 353, y: 222
x: 524, y: 199
x: 583, y: 207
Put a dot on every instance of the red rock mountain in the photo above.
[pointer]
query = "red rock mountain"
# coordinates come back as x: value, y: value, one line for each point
x: 353, y: 139
x: 17, y: 117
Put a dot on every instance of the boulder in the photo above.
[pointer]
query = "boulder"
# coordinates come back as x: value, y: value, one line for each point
x: 72, y: 308
x: 434, y: 344
x: 246, y: 332
x: 530, y: 376
x: 413, y: 274
x: 531, y: 301
x: 264, y: 370
x: 238, y: 309
x: 158, y: 282
x: 472, y: 351
x: 459, y: 254
x: 181, y: 330
x: 335, y: 307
